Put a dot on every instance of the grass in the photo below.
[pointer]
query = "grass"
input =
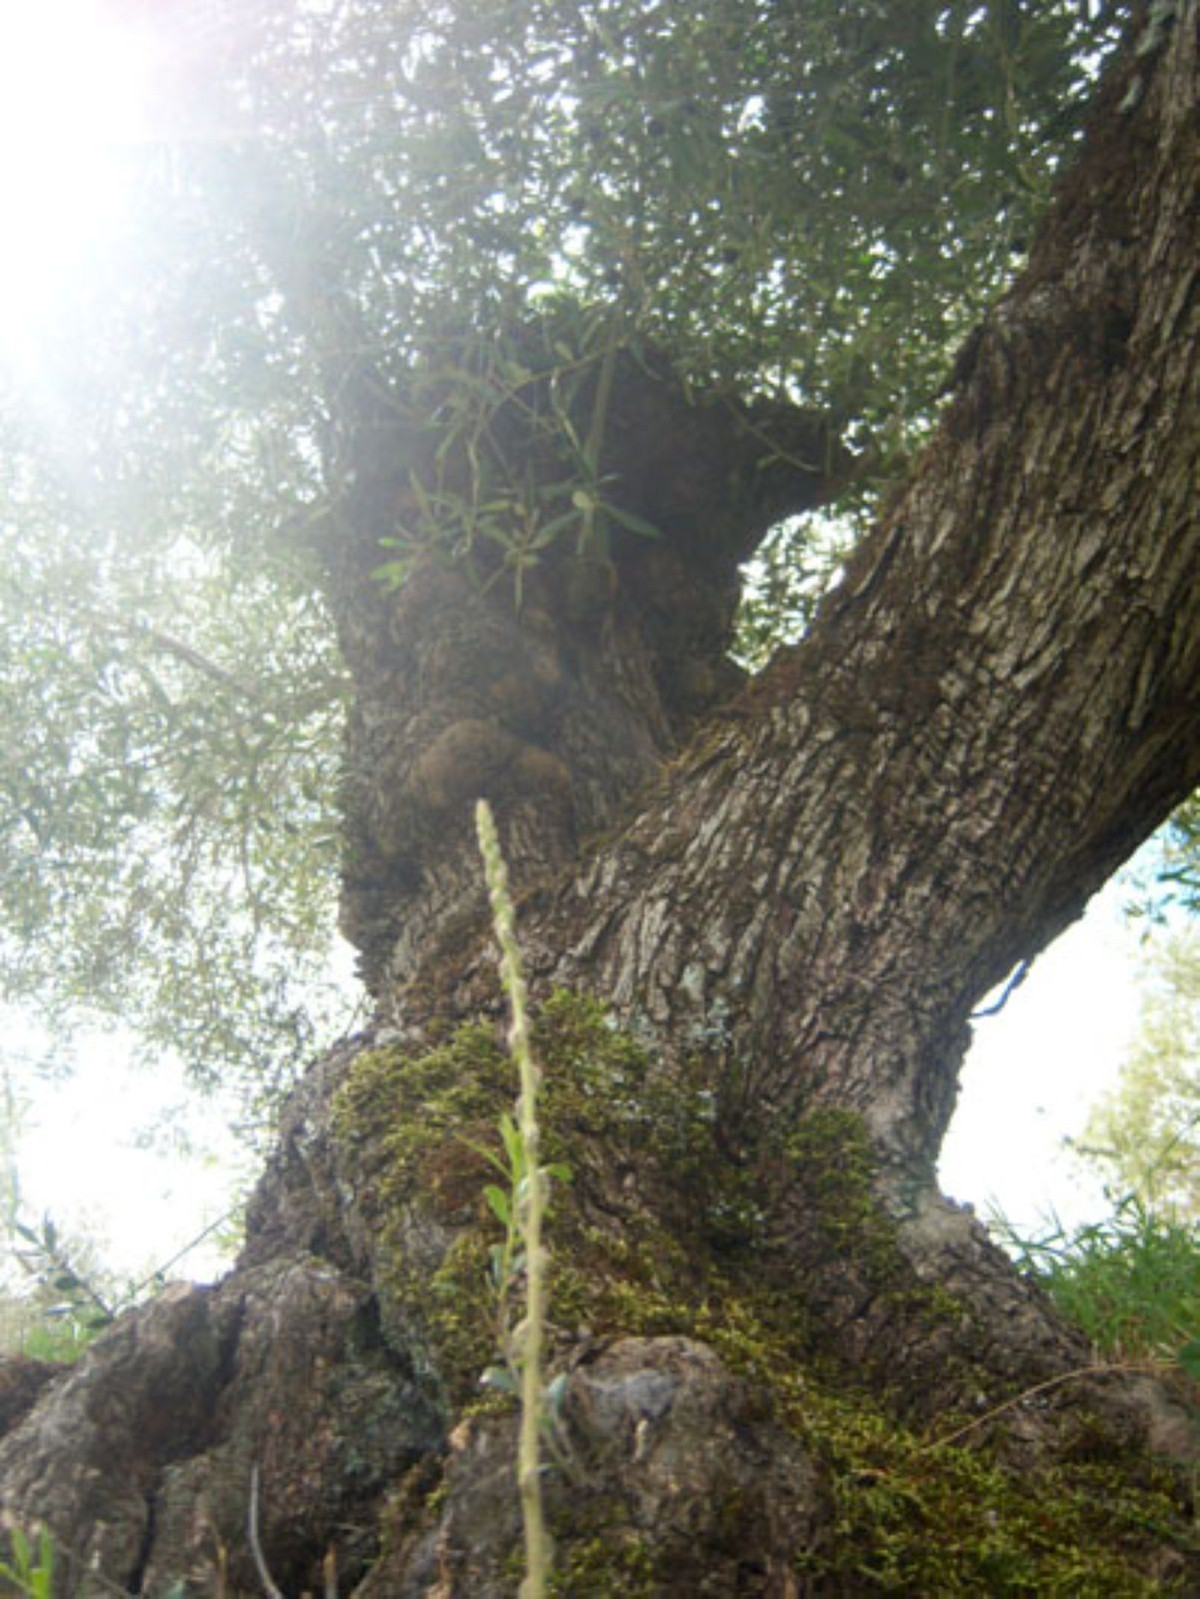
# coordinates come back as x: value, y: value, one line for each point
x: 1130, y: 1281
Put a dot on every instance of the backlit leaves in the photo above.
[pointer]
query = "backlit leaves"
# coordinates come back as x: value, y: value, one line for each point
x: 815, y: 199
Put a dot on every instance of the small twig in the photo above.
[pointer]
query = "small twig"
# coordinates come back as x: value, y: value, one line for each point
x: 222, y: 1589
x: 161, y: 1271
x: 1147, y: 1367
x: 776, y: 451
x: 593, y: 445
x: 260, y: 1563
x: 167, y: 644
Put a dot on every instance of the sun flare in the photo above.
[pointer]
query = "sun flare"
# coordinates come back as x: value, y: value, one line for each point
x: 73, y: 86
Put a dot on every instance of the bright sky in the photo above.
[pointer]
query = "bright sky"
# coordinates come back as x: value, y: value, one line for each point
x: 73, y: 85
x: 105, y: 1152
x: 1036, y: 1069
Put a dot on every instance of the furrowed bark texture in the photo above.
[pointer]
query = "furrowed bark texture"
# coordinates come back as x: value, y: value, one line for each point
x: 767, y: 1322
x: 995, y: 706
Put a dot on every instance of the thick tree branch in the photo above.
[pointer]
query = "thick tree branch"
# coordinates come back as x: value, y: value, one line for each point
x: 996, y: 705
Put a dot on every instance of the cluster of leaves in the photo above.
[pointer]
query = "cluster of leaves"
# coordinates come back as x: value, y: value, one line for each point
x: 56, y: 1292
x: 515, y: 468
x: 68, y: 1296
x: 1132, y: 1279
x: 53, y: 1302
x: 167, y: 782
x: 821, y: 200
x: 783, y: 584
x: 79, y: 1308
x: 1145, y: 1133
x: 1172, y: 882
x: 754, y: 185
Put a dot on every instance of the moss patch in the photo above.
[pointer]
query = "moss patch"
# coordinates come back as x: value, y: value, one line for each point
x: 412, y: 1132
x: 914, y: 1518
x: 610, y: 1565
x: 829, y: 1159
x: 666, y: 1229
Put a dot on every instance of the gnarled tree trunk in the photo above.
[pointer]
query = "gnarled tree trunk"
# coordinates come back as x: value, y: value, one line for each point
x: 756, y: 919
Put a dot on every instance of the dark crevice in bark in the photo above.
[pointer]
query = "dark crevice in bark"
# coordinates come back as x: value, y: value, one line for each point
x: 136, y: 1578
x: 22, y: 1380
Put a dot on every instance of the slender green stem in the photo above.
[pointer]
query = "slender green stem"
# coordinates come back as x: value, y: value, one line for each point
x: 530, y: 1206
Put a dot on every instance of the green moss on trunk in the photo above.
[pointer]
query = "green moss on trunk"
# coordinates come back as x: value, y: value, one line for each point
x: 667, y: 1229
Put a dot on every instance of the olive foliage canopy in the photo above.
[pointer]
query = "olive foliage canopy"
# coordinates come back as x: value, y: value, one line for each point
x: 816, y: 200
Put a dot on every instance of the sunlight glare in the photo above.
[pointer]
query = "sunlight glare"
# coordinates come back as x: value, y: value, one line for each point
x: 73, y: 83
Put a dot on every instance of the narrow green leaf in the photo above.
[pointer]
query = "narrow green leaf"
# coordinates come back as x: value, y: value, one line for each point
x: 500, y: 1204
x: 554, y: 1391
x: 556, y: 525
x: 513, y: 1144
x: 634, y: 523
x: 489, y: 1155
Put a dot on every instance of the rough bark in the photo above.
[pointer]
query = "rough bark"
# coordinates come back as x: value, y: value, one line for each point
x: 770, y: 1324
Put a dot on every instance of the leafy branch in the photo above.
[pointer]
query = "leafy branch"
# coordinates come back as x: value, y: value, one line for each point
x: 45, y: 1258
x: 500, y: 405
x: 87, y: 1309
